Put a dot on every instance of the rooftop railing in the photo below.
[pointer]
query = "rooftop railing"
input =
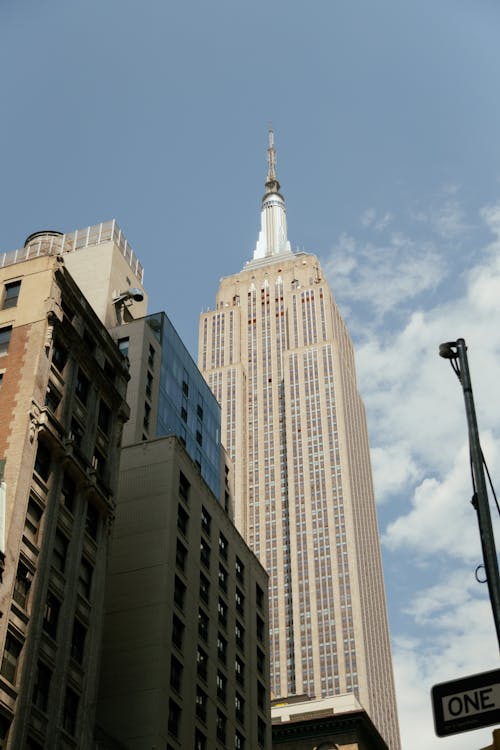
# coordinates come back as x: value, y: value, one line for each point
x: 53, y: 243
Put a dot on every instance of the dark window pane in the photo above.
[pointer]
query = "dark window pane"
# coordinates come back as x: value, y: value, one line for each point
x: 11, y: 294
x: 78, y: 641
x: 42, y: 686
x: 10, y: 658
x: 5, y: 334
x: 70, y: 711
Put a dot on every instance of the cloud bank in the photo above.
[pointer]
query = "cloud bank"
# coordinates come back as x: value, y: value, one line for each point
x: 403, y: 296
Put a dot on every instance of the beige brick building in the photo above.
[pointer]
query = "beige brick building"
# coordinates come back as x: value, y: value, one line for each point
x: 62, y: 409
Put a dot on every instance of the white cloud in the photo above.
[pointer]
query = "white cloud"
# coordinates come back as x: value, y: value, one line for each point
x: 383, y: 276
x: 418, y: 432
x: 442, y: 519
x: 368, y: 217
x: 448, y: 220
x: 459, y: 640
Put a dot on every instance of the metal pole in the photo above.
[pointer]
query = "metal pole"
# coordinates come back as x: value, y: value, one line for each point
x: 480, y: 499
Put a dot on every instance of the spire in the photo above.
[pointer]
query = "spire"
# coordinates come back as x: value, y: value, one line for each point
x: 273, y: 234
x: 272, y: 184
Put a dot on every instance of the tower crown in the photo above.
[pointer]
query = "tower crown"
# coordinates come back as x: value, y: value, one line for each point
x: 273, y: 232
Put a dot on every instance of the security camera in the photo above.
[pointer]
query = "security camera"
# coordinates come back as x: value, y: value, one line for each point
x: 135, y: 294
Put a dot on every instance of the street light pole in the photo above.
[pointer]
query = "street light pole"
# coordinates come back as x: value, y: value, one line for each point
x: 456, y: 352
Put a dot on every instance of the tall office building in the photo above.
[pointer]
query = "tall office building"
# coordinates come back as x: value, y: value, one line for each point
x: 62, y: 408
x: 278, y: 357
x: 185, y: 651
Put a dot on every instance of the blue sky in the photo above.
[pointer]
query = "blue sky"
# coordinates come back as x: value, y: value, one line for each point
x: 387, y: 119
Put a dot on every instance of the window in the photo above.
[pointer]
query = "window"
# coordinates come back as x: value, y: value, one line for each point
x: 222, y: 610
x: 59, y: 356
x: 261, y: 695
x: 205, y: 553
x: 202, y: 625
x: 149, y: 384
x: 199, y: 410
x: 201, y: 663
x: 260, y: 628
x: 42, y: 686
x: 5, y: 339
x: 199, y: 437
x: 221, y: 726
x: 206, y: 520
x: 223, y: 546
x: 22, y: 585
x: 51, y: 614
x: 179, y: 593
x: 259, y: 596
x: 221, y: 686
x: 10, y: 658
x: 99, y: 462
x: 201, y: 704
x: 82, y: 386
x: 123, y: 346
x: 184, y: 414
x: 200, y: 741
x: 261, y: 731
x: 42, y: 461
x: 223, y: 576
x: 239, y: 601
x: 76, y: 433
x: 52, y: 399
x: 180, y: 555
x: 78, y: 641
x: 184, y: 486
x: 185, y: 386
x: 147, y: 415
x: 174, y: 718
x: 221, y: 648
x: 60, y: 551
x: 92, y: 520
x: 11, y: 294
x: 261, y: 660
x: 89, y: 341
x: 32, y: 522
x: 177, y: 632
x: 239, y: 707
x: 4, y: 729
x: 104, y: 417
x: 175, y: 673
x: 239, y: 634
x: 182, y: 519
x: 70, y: 711
x: 151, y: 356
x: 239, y: 741
x: 85, y: 579
x: 239, y: 670
x: 240, y: 570
x: 68, y: 493
x: 204, y: 588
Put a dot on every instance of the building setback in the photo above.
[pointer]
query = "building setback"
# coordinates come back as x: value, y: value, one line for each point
x: 277, y: 355
x: 62, y: 409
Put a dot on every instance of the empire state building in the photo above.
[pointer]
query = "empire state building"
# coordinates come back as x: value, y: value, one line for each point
x: 278, y: 357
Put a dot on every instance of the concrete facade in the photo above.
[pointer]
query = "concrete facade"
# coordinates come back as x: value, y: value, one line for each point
x: 62, y: 409
x: 185, y: 658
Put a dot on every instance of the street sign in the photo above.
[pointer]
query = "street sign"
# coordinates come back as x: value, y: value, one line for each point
x: 469, y: 703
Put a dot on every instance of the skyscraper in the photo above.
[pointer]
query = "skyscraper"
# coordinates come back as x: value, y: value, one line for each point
x: 278, y: 357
